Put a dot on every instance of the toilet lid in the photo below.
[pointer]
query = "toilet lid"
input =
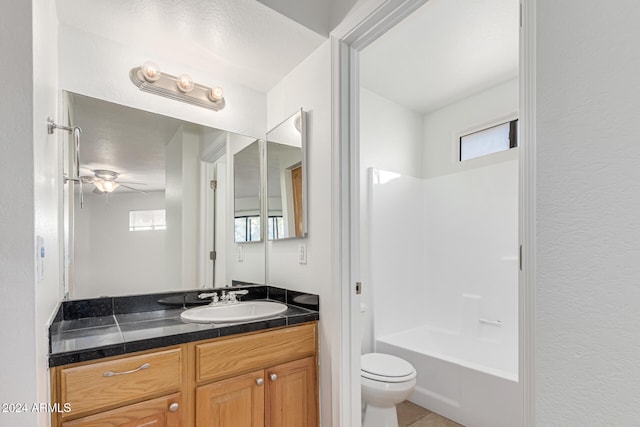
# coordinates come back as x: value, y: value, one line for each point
x: 384, y: 367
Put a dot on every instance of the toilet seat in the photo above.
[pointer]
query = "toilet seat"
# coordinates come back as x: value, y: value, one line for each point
x: 386, y: 368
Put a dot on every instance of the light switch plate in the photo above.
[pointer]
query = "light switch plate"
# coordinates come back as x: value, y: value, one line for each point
x: 302, y: 253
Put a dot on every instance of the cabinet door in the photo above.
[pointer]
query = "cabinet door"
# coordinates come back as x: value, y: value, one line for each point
x: 162, y: 412
x: 292, y: 397
x: 236, y: 402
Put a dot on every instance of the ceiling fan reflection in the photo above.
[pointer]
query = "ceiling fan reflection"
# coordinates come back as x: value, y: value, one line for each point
x: 106, y: 181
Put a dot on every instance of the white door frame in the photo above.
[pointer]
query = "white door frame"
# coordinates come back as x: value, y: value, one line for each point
x: 368, y: 21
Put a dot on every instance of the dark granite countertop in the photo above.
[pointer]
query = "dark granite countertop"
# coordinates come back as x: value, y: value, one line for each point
x: 102, y: 327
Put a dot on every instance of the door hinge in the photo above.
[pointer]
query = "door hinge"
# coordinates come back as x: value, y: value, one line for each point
x: 520, y: 258
x: 520, y: 14
x: 212, y: 255
x: 214, y: 184
x: 358, y: 288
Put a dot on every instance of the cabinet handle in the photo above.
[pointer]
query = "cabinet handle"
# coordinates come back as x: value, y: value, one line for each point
x: 273, y: 377
x: 259, y: 381
x: 113, y: 374
x: 174, y: 407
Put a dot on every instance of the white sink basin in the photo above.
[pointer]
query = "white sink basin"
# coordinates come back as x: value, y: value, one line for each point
x: 238, y: 312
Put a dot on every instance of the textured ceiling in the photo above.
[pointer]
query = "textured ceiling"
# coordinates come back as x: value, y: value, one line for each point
x: 125, y: 140
x: 242, y: 40
x: 443, y: 52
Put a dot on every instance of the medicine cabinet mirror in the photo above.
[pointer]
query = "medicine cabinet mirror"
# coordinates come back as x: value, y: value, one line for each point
x: 287, y: 179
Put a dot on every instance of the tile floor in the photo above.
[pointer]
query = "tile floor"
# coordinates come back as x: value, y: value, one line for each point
x: 412, y: 415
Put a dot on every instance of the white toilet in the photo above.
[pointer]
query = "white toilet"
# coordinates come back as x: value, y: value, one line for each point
x: 386, y: 381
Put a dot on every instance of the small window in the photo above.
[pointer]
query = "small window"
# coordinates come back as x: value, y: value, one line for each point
x: 147, y: 220
x: 247, y: 229
x: 488, y: 141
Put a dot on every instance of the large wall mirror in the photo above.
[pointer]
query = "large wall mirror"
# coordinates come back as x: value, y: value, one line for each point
x: 158, y: 200
x: 287, y: 179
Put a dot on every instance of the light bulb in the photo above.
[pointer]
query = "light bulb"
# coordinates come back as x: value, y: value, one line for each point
x: 215, y: 94
x: 297, y: 123
x: 150, y: 71
x: 185, y: 83
x: 106, y: 186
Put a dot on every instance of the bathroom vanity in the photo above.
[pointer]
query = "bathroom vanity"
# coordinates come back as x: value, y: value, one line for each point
x: 262, y: 373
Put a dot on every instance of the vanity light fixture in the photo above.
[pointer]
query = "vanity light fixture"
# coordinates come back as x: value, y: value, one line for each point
x: 149, y: 78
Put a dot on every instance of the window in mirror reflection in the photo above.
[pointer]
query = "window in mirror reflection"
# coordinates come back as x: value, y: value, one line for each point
x: 155, y: 219
x: 276, y: 227
x: 247, y: 229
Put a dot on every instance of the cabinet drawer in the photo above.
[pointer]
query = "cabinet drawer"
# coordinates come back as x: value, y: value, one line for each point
x: 101, y: 385
x: 226, y: 357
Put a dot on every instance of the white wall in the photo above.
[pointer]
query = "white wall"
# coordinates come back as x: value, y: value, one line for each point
x: 390, y: 139
x: 17, y: 246
x: 588, y: 186
x: 48, y: 185
x: 28, y: 206
x: 101, y: 265
x: 309, y: 86
x: 97, y: 67
x: 441, y: 128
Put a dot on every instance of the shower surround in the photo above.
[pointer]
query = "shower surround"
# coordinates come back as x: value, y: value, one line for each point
x: 444, y: 279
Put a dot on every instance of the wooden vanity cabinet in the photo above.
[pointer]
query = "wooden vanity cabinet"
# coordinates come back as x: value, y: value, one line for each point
x: 260, y: 379
x: 282, y: 394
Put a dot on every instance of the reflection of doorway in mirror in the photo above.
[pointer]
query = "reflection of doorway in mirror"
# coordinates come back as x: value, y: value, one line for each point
x: 296, y: 184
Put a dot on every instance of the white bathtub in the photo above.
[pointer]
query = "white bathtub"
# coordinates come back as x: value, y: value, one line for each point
x: 469, y: 380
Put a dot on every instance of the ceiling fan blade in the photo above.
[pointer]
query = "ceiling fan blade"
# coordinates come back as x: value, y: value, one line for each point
x: 132, y: 183
x: 97, y: 191
x: 131, y: 188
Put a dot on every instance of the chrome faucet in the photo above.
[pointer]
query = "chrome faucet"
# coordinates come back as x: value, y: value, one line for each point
x: 212, y: 295
x: 233, y: 295
x: 230, y: 297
